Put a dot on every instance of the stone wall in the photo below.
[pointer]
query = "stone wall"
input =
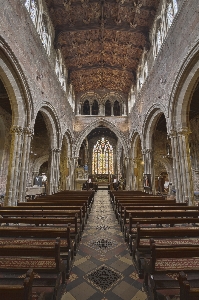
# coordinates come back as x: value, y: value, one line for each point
x: 18, y: 31
x: 156, y: 91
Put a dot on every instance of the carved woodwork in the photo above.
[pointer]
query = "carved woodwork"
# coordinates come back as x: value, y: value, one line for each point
x: 102, y: 41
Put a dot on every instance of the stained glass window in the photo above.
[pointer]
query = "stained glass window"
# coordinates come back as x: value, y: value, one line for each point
x: 102, y: 162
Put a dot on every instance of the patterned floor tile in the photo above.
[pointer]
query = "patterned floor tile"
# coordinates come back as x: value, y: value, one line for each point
x: 103, y: 268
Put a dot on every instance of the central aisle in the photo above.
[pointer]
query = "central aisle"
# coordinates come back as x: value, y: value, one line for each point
x: 103, y: 268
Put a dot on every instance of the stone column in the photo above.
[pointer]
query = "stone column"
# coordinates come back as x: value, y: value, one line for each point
x: 128, y: 172
x: 27, y: 136
x: 124, y: 109
x: 90, y: 109
x: 13, y: 169
x: 54, y: 170
x: 176, y: 165
x: 101, y: 109
x: 112, y: 114
x: 148, y: 165
x: 185, y: 163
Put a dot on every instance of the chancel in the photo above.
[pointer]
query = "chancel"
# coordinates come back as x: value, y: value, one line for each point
x: 99, y: 157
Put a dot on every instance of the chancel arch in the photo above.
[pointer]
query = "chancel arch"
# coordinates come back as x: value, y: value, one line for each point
x: 100, y: 122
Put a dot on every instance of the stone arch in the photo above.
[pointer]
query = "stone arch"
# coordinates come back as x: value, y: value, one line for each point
x: 93, y: 125
x: 186, y: 80
x: 90, y: 96
x: 16, y: 86
x: 149, y: 123
x: 112, y: 96
x: 52, y: 123
x: 39, y: 162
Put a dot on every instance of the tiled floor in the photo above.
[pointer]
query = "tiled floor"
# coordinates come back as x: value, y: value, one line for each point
x: 103, y: 268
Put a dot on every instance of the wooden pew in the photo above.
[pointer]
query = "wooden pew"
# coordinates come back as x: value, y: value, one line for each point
x: 163, y: 237
x: 18, y: 290
x: 169, y: 260
x: 133, y: 200
x: 67, y: 210
x: 187, y: 291
x: 45, y: 260
x: 55, y: 223
x: 122, y: 207
x: 62, y: 202
x: 25, y: 235
x: 152, y: 223
x: 73, y: 198
x: 45, y: 214
x: 159, y: 213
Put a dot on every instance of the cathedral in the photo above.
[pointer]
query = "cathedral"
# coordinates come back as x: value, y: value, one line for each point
x: 99, y: 93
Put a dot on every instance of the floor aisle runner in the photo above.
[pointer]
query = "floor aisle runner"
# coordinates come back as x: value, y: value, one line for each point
x: 103, y: 268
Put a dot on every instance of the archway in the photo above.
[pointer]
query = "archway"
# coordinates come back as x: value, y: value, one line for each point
x: 15, y: 92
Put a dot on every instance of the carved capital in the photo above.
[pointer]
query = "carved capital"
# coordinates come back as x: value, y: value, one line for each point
x: 16, y: 129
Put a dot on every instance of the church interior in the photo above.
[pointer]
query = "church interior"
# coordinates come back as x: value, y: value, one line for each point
x: 99, y: 136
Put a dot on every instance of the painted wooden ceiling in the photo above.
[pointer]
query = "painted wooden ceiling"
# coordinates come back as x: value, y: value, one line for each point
x: 102, y: 41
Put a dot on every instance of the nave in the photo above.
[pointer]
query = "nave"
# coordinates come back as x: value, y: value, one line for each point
x: 103, y: 267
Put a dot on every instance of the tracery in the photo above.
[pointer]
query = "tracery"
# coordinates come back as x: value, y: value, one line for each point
x: 102, y: 162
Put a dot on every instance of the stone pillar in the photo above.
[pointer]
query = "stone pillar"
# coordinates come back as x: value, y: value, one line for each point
x: 124, y: 109
x: 176, y: 165
x: 148, y: 165
x: 13, y: 169
x: 27, y: 136
x: 185, y: 163
x: 101, y: 109
x: 54, y: 169
x: 112, y: 114
x: 90, y: 109
x: 128, y: 172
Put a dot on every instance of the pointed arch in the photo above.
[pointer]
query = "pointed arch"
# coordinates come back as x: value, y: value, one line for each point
x: 52, y: 123
x: 16, y: 86
x: 100, y: 122
x: 149, y: 123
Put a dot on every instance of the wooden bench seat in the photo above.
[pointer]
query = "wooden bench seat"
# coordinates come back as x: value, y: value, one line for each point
x: 153, y: 223
x: 45, y: 214
x: 153, y: 211
x: 18, y: 289
x: 44, y: 260
x: 43, y: 236
x: 59, y: 203
x: 189, y: 289
x: 158, y: 213
x: 57, y: 223
x: 163, y: 237
x: 161, y: 269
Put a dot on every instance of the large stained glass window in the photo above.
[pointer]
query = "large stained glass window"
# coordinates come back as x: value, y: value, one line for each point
x: 102, y: 162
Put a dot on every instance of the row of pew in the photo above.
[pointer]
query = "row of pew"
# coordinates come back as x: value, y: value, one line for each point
x: 163, y: 239
x: 38, y: 243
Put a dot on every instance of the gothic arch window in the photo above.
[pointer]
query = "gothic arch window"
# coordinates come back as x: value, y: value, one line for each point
x: 159, y: 39
x: 108, y: 108
x: 116, y: 108
x: 86, y: 108
x: 102, y: 162
x: 44, y: 31
x: 60, y: 70
x: 95, y: 108
x: 33, y: 8
x: 170, y: 14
